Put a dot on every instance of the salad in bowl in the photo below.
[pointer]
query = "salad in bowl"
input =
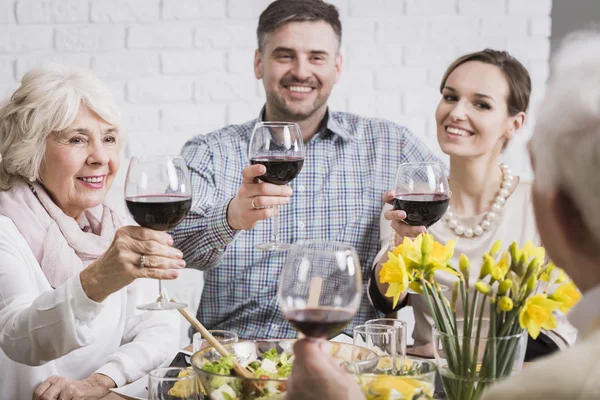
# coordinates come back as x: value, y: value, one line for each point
x: 269, y: 361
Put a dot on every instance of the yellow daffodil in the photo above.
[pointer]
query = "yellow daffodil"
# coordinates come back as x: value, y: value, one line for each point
x: 567, y: 295
x: 486, y: 267
x: 505, y: 303
x: 416, y: 287
x: 531, y: 283
x: 464, y: 264
x: 483, y: 287
x: 410, y: 253
x: 423, y: 256
x: 427, y: 246
x: 441, y: 255
x: 531, y: 251
x: 394, y: 272
x: 515, y: 254
x: 552, y: 274
x: 537, y: 314
x: 500, y: 270
x: 505, y: 286
x: 495, y: 248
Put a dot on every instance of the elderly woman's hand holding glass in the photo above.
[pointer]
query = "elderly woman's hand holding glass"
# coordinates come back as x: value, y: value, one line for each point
x: 69, y: 272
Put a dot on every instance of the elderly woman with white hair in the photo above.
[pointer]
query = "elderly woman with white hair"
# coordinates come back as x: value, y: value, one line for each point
x: 565, y: 155
x: 69, y: 286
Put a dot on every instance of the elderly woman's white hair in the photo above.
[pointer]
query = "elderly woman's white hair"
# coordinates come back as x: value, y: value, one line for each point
x: 47, y: 101
x: 566, y: 139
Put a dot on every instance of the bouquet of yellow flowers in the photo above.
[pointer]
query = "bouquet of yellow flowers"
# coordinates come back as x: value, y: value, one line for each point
x: 516, y: 291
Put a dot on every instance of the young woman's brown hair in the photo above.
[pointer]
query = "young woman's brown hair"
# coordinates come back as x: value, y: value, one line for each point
x: 519, y: 81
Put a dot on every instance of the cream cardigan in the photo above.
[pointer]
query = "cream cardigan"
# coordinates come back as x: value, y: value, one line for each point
x: 45, y: 331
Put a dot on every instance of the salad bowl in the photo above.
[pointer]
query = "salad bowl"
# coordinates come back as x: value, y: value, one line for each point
x: 270, y: 362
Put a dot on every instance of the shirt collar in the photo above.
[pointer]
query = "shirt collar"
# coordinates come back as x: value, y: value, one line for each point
x: 331, y: 125
x: 585, y: 316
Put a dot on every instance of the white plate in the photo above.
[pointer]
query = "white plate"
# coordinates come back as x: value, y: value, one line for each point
x: 138, y: 390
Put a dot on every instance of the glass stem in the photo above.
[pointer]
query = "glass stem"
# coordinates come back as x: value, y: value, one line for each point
x: 275, y: 225
x: 162, y: 295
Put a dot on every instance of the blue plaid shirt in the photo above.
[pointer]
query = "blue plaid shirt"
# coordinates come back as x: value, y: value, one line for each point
x: 348, y: 165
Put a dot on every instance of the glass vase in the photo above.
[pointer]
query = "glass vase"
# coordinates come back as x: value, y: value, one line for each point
x: 469, y: 364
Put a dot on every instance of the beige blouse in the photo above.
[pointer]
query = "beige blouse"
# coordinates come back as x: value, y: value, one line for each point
x: 515, y: 223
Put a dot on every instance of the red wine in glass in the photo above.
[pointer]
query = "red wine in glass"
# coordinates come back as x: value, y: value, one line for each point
x: 280, y: 169
x: 278, y: 146
x: 158, y: 195
x: 159, y: 212
x: 422, y: 209
x: 321, y: 323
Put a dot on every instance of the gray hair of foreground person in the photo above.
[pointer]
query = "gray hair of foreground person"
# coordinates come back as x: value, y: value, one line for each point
x: 566, y: 139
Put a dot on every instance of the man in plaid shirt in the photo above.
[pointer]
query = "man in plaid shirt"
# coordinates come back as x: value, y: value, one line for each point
x: 349, y: 163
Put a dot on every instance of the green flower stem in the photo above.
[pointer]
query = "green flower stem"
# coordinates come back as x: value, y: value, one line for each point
x: 477, y: 336
x: 466, y: 323
x: 493, y: 342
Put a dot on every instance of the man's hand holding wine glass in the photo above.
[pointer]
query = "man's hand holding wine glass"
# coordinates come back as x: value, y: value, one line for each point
x: 254, y: 200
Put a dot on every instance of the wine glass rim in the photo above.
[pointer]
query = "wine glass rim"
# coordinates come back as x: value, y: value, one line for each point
x: 420, y: 163
x: 155, y: 374
x: 154, y: 158
x: 380, y: 329
x: 276, y: 123
x: 376, y: 321
x: 340, y: 247
x: 449, y: 335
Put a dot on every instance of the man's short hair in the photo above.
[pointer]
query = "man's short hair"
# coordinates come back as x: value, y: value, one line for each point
x: 281, y: 12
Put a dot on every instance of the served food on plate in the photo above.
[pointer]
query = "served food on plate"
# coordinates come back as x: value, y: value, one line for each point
x: 269, y: 361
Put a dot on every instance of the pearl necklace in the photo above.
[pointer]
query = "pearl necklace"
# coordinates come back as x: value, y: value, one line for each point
x: 490, y: 216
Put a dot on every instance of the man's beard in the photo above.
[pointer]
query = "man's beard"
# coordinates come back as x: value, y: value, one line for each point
x: 286, y: 113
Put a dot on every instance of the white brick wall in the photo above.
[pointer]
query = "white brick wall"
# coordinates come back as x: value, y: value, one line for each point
x: 181, y: 67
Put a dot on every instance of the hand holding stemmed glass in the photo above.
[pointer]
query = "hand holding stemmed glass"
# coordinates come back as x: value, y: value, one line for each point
x: 422, y: 191
x: 320, y: 287
x: 279, y: 147
x: 158, y: 195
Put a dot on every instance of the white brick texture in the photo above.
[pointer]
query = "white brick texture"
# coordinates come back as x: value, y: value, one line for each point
x: 187, y: 62
x: 184, y: 67
x: 376, y: 8
x: 193, y: 9
x: 7, y: 12
x: 92, y: 38
x: 160, y: 37
x: 115, y: 11
x: 52, y: 11
x: 25, y: 39
x: 7, y: 70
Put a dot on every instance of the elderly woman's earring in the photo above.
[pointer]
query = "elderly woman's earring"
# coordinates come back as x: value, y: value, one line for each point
x: 31, y: 179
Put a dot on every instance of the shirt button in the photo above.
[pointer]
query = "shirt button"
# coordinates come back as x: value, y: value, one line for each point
x: 301, y: 188
x: 301, y: 224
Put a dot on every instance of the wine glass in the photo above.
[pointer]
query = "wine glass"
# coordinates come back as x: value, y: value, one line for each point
x: 320, y: 287
x: 422, y: 191
x: 158, y: 195
x: 280, y: 148
x: 173, y: 383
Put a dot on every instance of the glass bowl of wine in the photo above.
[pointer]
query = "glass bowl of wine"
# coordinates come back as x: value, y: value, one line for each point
x: 422, y: 191
x: 320, y: 287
